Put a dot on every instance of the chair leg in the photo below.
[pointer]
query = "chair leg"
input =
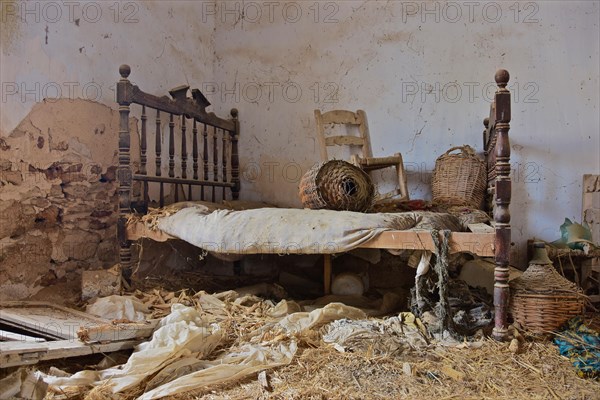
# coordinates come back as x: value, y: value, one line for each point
x: 402, y: 181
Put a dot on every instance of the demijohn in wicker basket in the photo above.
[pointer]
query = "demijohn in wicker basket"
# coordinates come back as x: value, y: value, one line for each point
x: 459, y: 179
x: 337, y: 185
x: 541, y: 299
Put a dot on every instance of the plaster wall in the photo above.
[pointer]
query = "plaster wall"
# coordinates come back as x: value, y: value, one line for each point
x: 424, y: 73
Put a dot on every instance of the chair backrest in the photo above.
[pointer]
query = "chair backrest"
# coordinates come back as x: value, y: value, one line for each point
x: 343, y: 117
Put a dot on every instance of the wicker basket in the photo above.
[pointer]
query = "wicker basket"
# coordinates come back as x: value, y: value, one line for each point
x: 459, y: 179
x: 542, y: 300
x: 337, y: 185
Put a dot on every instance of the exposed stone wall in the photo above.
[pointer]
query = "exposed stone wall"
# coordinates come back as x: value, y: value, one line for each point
x: 58, y: 205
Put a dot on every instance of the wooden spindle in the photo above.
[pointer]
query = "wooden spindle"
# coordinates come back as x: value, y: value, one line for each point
x: 158, y: 143
x: 172, y: 150
x: 195, y: 151
x: 502, y: 213
x: 215, y: 162
x: 171, y: 146
x: 224, y: 159
x: 235, y: 159
x: 124, y: 175
x: 183, y: 149
x: 143, y: 143
x: 204, y: 158
x: 143, y: 157
x: 194, y: 157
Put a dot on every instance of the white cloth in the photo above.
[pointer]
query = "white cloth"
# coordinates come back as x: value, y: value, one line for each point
x: 280, y: 230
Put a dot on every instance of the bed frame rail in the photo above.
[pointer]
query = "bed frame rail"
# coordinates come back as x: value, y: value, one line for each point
x: 213, y: 164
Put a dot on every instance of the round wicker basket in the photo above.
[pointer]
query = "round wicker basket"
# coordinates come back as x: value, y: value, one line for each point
x: 542, y: 300
x: 337, y: 185
x: 459, y: 179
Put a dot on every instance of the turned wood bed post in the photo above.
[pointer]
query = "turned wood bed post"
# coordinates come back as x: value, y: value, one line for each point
x: 235, y: 157
x: 502, y: 198
x: 124, y: 175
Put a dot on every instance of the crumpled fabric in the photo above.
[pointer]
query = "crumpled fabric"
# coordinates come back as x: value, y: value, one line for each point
x: 181, y: 333
x: 177, y: 356
x: 391, y: 336
x: 581, y: 345
x: 119, y: 307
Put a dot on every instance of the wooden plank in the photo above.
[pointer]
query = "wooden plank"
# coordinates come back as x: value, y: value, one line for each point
x: 340, y: 117
x: 46, y: 319
x: 26, y: 353
x: 481, y: 244
x: 344, y: 141
x: 380, y: 162
x: 481, y: 228
x: 137, y: 230
x: 117, y: 332
x: 7, y: 336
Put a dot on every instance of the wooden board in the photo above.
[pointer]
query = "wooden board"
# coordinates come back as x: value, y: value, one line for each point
x: 117, y: 332
x: 481, y: 228
x: 7, y: 336
x: 137, y: 230
x: 46, y: 319
x: 481, y: 244
x: 591, y: 204
x: 590, y: 211
x: 26, y: 353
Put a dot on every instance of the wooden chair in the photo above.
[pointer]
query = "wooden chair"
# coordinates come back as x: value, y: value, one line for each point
x: 365, y: 159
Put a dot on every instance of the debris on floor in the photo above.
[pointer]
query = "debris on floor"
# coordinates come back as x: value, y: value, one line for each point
x: 581, y: 345
x: 235, y: 344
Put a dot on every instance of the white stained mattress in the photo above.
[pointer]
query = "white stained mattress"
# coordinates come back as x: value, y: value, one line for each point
x: 281, y: 230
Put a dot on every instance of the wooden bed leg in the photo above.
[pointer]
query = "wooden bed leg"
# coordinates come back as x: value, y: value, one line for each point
x: 327, y: 274
x: 502, y: 214
x: 124, y: 176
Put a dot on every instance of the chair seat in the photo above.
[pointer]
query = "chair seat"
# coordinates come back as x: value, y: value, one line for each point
x: 365, y: 160
x: 370, y: 163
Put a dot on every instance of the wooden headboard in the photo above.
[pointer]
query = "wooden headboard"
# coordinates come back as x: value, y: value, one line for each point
x: 212, y: 166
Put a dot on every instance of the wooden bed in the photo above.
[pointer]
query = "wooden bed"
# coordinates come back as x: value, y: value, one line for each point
x: 211, y: 172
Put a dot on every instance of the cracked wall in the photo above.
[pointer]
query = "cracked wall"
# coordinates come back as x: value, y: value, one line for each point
x: 278, y: 61
x: 58, y: 204
x: 59, y: 123
x: 424, y: 74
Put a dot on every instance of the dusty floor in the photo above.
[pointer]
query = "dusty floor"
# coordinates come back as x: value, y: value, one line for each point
x: 482, y: 369
x: 489, y: 372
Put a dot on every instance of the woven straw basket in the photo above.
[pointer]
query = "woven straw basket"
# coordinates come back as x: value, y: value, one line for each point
x: 337, y: 185
x: 542, y: 300
x: 459, y: 179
